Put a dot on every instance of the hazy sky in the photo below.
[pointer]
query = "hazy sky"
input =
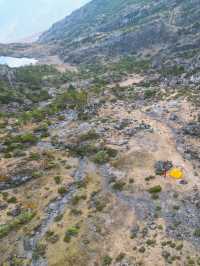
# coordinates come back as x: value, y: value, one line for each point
x: 23, y: 18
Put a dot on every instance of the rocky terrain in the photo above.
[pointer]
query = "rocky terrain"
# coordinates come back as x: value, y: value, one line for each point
x: 86, y: 149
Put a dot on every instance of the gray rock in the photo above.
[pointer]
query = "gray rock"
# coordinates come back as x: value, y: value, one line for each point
x: 3, y: 206
x: 2, y: 148
x: 17, y: 179
x: 192, y: 129
x: 173, y: 117
x: 153, y: 226
x: 183, y: 182
x: 130, y: 132
x: 15, y: 212
x: 135, y: 230
x: 122, y: 124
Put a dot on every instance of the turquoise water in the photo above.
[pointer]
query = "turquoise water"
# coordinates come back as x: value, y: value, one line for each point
x: 17, y: 62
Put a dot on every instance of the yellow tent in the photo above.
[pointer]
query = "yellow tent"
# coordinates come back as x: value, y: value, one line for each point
x: 176, y: 173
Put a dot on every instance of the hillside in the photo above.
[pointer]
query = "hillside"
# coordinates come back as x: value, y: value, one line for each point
x: 123, y: 27
x: 100, y: 148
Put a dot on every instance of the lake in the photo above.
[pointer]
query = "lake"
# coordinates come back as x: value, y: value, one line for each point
x: 17, y: 62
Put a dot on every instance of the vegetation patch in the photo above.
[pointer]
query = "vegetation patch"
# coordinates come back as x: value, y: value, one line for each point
x: 118, y: 185
x: 90, y: 135
x: 71, y: 232
x: 155, y: 189
x: 62, y: 190
x: 107, y: 260
x: 16, y: 223
x: 18, y: 141
x: 197, y: 232
x: 101, y: 157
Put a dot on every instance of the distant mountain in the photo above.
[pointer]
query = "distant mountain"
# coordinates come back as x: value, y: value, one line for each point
x: 22, y: 18
x: 123, y: 27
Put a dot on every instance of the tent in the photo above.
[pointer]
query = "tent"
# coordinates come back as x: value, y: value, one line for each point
x: 176, y: 173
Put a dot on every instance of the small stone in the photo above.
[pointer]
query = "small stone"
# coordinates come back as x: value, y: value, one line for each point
x: 142, y: 249
x: 15, y: 212
x: 153, y: 226
x: 183, y: 182
x: 135, y: 231
x: 3, y: 206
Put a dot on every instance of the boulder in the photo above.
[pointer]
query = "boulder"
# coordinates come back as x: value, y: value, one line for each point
x: 192, y: 129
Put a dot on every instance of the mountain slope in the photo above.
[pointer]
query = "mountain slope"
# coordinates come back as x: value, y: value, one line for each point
x: 124, y: 27
x: 89, y: 155
x: 19, y: 21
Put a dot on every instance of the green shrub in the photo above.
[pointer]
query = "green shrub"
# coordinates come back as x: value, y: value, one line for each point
x: 150, y: 93
x: 84, y: 149
x: 16, y: 142
x: 39, y: 250
x: 12, y: 200
x: 5, y: 195
x: 90, y: 135
x: 16, y: 223
x: 197, y: 232
x: 51, y: 237
x: 18, y: 153
x: 155, y: 196
x: 43, y: 128
x: 8, y: 155
x: 32, y: 76
x: 78, y: 197
x: 71, y: 232
x: 175, y: 70
x: 34, y: 156
x: 15, y: 261
x: 82, y: 183
x: 74, y: 99
x: 120, y: 257
x: 118, y: 185
x: 28, y: 138
x: 131, y: 64
x: 62, y: 190
x: 57, y: 179
x: 37, y: 174
x: 151, y: 242
x: 100, y: 204
x: 155, y: 189
x: 107, y: 260
x: 4, y: 230
x: 58, y: 218
x: 148, y: 178
x: 142, y: 249
x: 75, y: 212
x: 179, y: 247
x: 101, y: 157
